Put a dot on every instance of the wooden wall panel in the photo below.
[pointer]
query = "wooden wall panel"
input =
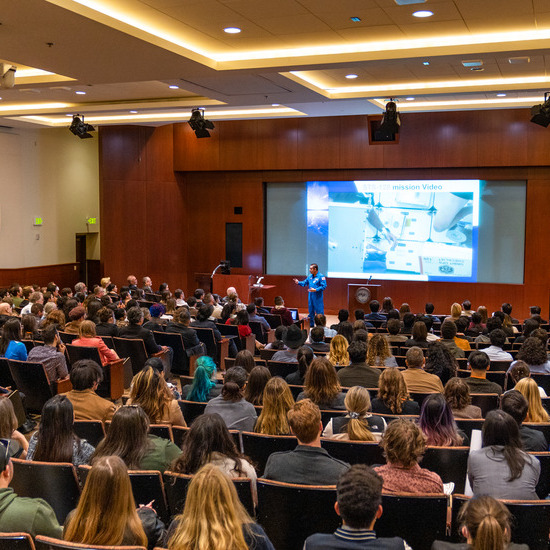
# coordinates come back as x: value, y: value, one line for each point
x: 160, y: 154
x: 239, y: 145
x: 62, y: 274
x: 537, y: 248
x: 355, y: 151
x: 192, y: 153
x: 277, y: 144
x: 318, y: 138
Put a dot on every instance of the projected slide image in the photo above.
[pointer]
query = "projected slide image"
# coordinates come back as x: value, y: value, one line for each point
x: 414, y: 230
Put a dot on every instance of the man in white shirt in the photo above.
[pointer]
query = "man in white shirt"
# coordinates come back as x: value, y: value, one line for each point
x: 495, y: 351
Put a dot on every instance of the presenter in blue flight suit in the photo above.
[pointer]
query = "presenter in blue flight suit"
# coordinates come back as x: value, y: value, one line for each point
x: 316, y: 283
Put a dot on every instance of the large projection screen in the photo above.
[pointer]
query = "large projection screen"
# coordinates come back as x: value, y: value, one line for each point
x: 423, y: 230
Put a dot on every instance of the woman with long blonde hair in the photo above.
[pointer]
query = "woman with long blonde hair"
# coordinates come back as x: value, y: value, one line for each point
x: 379, y: 353
x: 277, y: 401
x: 106, y: 513
x: 152, y: 394
x: 214, y: 518
x: 393, y: 396
x: 530, y: 390
x: 322, y: 385
x: 338, y: 354
x: 358, y: 424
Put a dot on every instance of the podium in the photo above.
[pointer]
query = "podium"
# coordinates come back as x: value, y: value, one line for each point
x: 359, y: 296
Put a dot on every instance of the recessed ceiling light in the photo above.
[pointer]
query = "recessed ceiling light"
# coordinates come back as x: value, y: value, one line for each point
x: 426, y: 63
x: 232, y: 30
x: 133, y: 112
x: 80, y: 93
x: 501, y: 95
x: 174, y: 87
x: 355, y: 19
x: 409, y: 99
x: 275, y: 104
x: 351, y: 76
x: 423, y: 13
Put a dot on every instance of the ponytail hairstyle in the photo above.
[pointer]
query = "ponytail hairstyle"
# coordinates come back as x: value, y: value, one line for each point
x: 358, y: 405
x: 305, y: 357
x: 202, y: 380
x: 486, y: 523
x: 234, y: 383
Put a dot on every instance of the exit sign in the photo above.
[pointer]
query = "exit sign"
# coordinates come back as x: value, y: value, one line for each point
x: 91, y: 221
x: 38, y: 221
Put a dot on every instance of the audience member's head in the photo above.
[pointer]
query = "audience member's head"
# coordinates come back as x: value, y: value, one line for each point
x: 448, y: 330
x: 479, y: 361
x: 374, y: 306
x: 415, y: 358
x: 498, y: 338
x: 343, y: 315
x: 304, y: 420
x: 515, y: 404
x: 403, y: 443
x: 357, y: 352
x: 394, y: 326
x: 457, y: 393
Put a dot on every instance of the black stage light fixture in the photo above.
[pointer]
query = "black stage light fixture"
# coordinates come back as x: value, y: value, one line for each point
x: 390, y: 120
x: 199, y: 124
x: 79, y: 128
x: 540, y: 114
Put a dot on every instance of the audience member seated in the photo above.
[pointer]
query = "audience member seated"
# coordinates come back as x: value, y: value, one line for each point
x: 321, y: 321
x: 394, y: 329
x: 204, y: 386
x: 51, y: 355
x: 214, y: 517
x: 408, y: 322
x: 280, y: 309
x: 438, y: 424
x: 359, y: 504
x: 419, y: 336
x: 343, y: 316
x: 18, y: 443
x: 128, y: 437
x: 135, y: 331
x: 358, y: 373
x: 393, y: 397
x: 150, y: 391
x: 457, y: 395
x: 277, y: 401
x: 87, y: 338
x: 23, y: 515
x: 338, y: 354
x: 209, y: 442
x: 293, y: 339
x: 11, y: 346
x: 257, y: 379
x: 85, y: 377
x: 202, y: 321
x: 515, y: 404
x: 448, y: 334
x: 322, y: 386
x: 493, y: 323
x: 245, y: 359
x: 358, y: 424
x: 495, y: 351
x: 529, y: 389
x: 317, y: 340
x: 379, y: 353
x: 456, y: 312
x: 416, y: 378
x: 55, y: 440
x: 253, y: 316
x: 484, y: 523
x: 55, y: 318
x: 529, y: 327
x: 520, y: 370
x: 305, y: 356
x: 237, y: 412
x: 475, y: 328
x: 478, y: 362
x: 106, y: 513
x: 404, y: 445
x: 346, y: 330
x: 29, y: 327
x: 440, y: 361
x: 76, y: 315
x: 535, y: 313
x: 242, y: 320
x: 501, y: 469
x: 374, y: 315
x: 107, y: 325
x: 308, y: 463
x: 429, y: 310
x: 506, y: 324
x: 461, y: 339
x: 533, y: 353
x: 278, y: 342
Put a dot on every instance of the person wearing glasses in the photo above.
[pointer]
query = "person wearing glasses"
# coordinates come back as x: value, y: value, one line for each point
x: 18, y: 514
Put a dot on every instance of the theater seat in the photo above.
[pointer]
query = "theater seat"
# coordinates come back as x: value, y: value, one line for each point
x: 47, y: 543
x: 16, y: 541
x: 259, y: 446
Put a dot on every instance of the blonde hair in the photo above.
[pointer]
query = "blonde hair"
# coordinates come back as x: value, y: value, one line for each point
x: 277, y: 401
x: 392, y: 389
x: 338, y: 354
x: 107, y: 489
x: 213, y: 517
x: 152, y: 394
x: 530, y: 390
x: 357, y: 402
x: 378, y: 350
x: 456, y: 310
x: 87, y: 329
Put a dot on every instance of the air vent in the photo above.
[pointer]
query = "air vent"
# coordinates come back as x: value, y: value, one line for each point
x: 472, y: 63
x: 409, y: 2
x: 518, y: 60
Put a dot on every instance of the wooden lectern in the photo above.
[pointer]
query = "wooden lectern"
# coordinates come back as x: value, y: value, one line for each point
x: 359, y: 296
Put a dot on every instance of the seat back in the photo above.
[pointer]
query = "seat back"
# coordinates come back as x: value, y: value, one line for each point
x: 176, y: 485
x: 543, y: 427
x: 273, y: 319
x: 354, y: 452
x: 543, y: 486
x: 290, y: 513
x: 485, y: 401
x: 134, y: 349
x: 259, y: 446
x: 90, y: 430
x: 6, y: 379
x: 467, y: 425
x: 47, y: 543
x: 543, y: 380
x: 67, y: 337
x: 450, y: 463
x: 191, y: 409
x: 55, y: 482
x: 16, y: 541
x: 162, y: 430
x: 31, y: 379
x: 108, y: 341
x: 76, y: 353
x: 413, y: 525
x: 206, y: 336
x: 419, y: 397
x: 180, y: 362
x: 280, y: 368
x: 258, y: 331
x: 179, y: 433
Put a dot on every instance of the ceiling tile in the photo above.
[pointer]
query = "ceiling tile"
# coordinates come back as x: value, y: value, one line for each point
x: 298, y: 24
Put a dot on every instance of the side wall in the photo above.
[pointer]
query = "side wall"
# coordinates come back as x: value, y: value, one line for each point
x: 215, y: 175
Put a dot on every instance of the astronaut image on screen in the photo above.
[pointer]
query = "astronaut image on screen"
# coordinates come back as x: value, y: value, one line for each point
x: 413, y: 230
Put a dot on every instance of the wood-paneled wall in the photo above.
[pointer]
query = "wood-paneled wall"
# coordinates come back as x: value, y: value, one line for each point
x: 63, y: 275
x: 166, y: 196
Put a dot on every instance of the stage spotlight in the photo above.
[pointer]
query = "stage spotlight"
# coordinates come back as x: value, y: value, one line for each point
x: 79, y: 128
x: 7, y: 75
x: 540, y: 114
x: 390, y: 120
x: 199, y: 124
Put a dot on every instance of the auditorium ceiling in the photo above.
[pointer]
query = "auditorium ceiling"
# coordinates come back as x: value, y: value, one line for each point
x: 150, y: 62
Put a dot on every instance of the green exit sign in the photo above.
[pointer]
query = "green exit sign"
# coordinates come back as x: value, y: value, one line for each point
x: 38, y: 221
x: 91, y: 221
